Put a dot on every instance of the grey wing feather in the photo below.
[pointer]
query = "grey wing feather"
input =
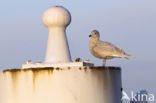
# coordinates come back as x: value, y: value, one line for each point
x: 107, y: 49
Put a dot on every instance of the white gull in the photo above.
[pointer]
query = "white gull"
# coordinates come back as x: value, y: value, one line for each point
x: 105, y: 50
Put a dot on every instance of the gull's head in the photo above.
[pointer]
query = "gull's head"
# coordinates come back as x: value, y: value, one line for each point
x: 94, y: 34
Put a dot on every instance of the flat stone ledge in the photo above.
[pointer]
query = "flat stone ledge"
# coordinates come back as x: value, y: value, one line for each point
x: 60, y: 65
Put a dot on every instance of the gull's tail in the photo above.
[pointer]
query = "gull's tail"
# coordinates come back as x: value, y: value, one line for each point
x: 127, y: 56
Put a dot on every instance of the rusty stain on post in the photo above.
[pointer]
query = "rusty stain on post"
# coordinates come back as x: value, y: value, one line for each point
x: 80, y: 68
x: 68, y: 68
x: 106, y: 78
x: 35, y: 72
x: 14, y: 79
x: 85, y: 69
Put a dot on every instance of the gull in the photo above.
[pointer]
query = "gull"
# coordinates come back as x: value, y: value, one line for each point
x: 105, y: 50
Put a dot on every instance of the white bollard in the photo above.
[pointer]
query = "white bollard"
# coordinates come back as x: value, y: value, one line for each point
x: 56, y: 19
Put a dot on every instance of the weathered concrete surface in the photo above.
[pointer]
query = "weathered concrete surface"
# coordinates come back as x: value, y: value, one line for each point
x: 61, y: 85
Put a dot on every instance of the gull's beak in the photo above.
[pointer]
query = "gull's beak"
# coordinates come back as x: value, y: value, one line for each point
x: 90, y: 35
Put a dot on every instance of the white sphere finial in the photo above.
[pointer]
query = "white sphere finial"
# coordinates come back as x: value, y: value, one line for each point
x: 56, y: 19
x: 56, y: 16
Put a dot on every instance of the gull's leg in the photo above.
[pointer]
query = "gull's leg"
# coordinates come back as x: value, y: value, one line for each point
x: 103, y: 62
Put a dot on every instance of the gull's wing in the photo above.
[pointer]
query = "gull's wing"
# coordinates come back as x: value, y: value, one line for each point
x: 109, y: 45
x: 107, y: 49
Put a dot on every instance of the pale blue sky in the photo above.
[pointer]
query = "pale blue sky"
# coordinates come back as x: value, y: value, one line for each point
x: 130, y: 24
